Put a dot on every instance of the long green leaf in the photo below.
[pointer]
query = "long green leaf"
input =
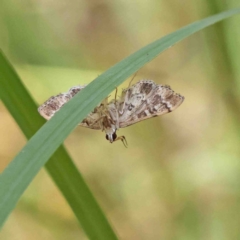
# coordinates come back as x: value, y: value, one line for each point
x: 42, y: 145
x: 60, y: 166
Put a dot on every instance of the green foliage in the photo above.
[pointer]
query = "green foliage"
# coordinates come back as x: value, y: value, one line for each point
x: 45, y: 142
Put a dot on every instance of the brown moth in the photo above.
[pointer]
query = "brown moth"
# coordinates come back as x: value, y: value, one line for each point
x: 145, y: 99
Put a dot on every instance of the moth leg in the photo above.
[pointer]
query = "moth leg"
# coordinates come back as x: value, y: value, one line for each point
x: 123, y: 139
x: 116, y: 109
x: 120, y: 111
x: 117, y: 120
x: 124, y: 100
x: 116, y: 95
x: 88, y: 116
x: 97, y: 121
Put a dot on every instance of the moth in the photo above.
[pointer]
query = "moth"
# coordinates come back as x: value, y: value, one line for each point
x: 143, y: 100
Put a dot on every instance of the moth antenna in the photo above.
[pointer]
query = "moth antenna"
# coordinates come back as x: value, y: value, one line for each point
x: 132, y: 78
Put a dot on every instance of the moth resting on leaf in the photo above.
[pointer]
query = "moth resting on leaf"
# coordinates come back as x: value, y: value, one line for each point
x: 145, y: 99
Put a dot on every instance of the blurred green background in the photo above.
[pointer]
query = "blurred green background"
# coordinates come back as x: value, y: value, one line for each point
x: 180, y: 176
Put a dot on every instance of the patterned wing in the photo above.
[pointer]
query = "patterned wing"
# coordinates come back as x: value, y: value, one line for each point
x: 54, y: 103
x: 146, y: 99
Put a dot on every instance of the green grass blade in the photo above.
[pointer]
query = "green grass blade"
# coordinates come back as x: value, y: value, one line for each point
x: 60, y: 166
x: 42, y: 145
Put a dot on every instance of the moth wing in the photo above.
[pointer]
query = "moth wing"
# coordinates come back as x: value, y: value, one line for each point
x: 54, y: 103
x: 145, y: 100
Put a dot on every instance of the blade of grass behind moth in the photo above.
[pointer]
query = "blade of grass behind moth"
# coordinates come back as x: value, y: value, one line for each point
x: 53, y: 133
x: 60, y: 166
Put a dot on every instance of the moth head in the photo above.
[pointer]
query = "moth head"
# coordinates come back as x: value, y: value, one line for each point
x: 111, y: 137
